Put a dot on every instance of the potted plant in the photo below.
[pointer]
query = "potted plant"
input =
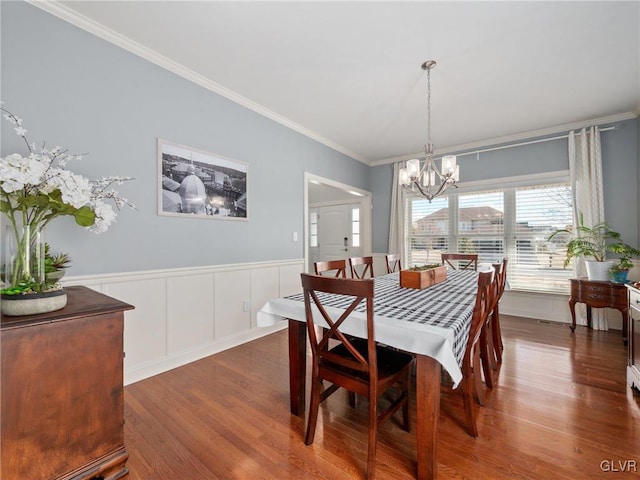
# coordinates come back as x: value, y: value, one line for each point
x: 55, y: 264
x: 594, y: 243
x: 618, y: 272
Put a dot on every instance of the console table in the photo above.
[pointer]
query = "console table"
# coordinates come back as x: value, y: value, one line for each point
x: 598, y: 294
x: 62, y: 395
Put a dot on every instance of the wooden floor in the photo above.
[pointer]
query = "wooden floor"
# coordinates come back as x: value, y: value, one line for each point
x: 561, y: 410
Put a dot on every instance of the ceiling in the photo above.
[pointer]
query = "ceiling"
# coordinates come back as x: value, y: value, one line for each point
x: 348, y: 73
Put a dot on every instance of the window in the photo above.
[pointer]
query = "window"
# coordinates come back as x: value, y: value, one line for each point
x: 355, y: 227
x: 539, y: 263
x: 514, y: 222
x: 481, y: 225
x: 313, y: 229
x: 429, y: 230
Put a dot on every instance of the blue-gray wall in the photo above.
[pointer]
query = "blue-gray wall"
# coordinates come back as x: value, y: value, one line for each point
x: 76, y: 90
x: 621, y: 176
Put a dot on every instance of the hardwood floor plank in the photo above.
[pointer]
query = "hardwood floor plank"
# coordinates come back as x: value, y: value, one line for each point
x: 560, y: 407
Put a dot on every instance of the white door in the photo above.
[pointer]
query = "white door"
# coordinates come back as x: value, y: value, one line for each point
x: 338, y: 230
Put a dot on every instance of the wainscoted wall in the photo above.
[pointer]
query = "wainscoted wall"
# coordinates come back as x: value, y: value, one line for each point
x: 182, y: 315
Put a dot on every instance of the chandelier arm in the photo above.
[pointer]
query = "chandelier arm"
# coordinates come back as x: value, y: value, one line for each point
x: 428, y: 196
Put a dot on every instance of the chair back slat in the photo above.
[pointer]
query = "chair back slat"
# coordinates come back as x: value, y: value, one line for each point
x: 356, y: 263
x: 394, y: 264
x: 498, y: 278
x: 461, y: 261
x: 484, y: 299
x: 339, y: 266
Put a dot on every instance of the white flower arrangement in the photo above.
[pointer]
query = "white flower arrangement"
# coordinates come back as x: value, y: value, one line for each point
x: 37, y: 188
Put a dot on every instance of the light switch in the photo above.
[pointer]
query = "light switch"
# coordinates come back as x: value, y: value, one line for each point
x: 295, y: 236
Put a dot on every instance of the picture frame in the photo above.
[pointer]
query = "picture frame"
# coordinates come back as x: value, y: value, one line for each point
x: 198, y: 184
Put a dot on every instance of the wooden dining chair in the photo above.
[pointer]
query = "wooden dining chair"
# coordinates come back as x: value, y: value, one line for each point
x: 487, y: 340
x: 461, y: 261
x: 356, y: 364
x: 394, y: 263
x: 471, y: 370
x: 496, y: 334
x: 339, y: 266
x: 356, y: 266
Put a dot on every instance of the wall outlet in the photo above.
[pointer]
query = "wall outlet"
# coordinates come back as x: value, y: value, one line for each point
x: 246, y: 305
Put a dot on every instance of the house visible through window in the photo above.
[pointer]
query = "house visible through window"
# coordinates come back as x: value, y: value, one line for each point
x: 509, y: 222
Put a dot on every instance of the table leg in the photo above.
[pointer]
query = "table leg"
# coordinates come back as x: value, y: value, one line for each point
x: 572, y: 307
x: 427, y: 413
x: 297, y: 366
x: 589, y: 324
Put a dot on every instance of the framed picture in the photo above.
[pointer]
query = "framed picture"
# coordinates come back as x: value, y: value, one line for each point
x: 199, y: 184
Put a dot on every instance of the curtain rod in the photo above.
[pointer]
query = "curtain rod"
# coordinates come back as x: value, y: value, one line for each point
x: 476, y: 152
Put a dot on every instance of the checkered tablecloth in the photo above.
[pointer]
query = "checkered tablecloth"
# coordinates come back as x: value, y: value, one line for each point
x: 433, y: 321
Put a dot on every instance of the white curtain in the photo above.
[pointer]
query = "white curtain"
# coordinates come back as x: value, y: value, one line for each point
x: 585, y: 168
x: 397, y: 219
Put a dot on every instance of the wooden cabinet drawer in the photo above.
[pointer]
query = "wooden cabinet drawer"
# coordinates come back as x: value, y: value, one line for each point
x: 634, y: 299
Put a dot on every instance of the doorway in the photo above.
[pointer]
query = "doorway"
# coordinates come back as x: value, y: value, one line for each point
x: 337, y: 221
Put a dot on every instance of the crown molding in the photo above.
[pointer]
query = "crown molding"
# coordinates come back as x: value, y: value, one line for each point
x: 54, y: 7
x: 470, y: 147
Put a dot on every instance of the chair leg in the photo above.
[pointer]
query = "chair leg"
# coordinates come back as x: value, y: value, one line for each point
x: 477, y: 376
x: 406, y: 387
x: 467, y: 396
x: 497, y: 334
x: 314, y: 403
x: 373, y: 434
x: 486, y: 354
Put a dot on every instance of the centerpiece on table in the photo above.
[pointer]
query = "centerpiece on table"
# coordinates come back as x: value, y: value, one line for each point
x: 35, y: 189
x: 423, y: 276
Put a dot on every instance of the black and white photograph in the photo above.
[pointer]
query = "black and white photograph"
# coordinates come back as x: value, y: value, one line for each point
x: 200, y: 184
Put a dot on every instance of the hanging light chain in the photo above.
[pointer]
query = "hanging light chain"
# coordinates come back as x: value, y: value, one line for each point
x: 428, y: 107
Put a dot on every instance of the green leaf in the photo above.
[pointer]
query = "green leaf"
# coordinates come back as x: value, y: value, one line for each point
x: 34, y: 201
x: 5, y: 207
x: 85, y: 216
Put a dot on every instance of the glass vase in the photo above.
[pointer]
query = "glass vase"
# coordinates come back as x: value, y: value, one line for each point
x: 25, y: 290
x: 23, y: 258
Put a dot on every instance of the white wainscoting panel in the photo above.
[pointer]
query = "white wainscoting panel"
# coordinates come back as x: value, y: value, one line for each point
x: 265, y: 285
x: 190, y: 314
x: 232, y: 289
x: 183, y: 315
x: 290, y: 282
x: 145, y: 327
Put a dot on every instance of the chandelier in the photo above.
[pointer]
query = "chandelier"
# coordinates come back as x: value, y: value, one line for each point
x: 428, y: 181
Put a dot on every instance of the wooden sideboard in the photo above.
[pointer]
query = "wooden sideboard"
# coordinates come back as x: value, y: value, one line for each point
x: 62, y: 395
x: 599, y: 294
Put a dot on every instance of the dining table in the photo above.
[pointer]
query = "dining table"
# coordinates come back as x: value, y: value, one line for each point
x: 431, y: 323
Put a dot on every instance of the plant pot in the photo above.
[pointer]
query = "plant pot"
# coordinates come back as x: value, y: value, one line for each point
x: 619, y: 276
x: 33, y: 303
x: 598, y: 271
x: 55, y: 276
